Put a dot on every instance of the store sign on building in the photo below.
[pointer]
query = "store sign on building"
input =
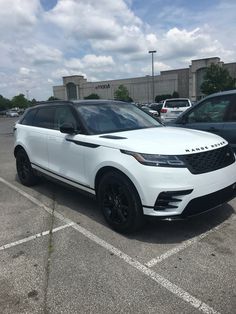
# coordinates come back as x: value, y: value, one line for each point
x: 102, y: 86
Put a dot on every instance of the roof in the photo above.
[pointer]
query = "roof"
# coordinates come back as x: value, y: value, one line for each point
x: 82, y: 102
x: 227, y: 92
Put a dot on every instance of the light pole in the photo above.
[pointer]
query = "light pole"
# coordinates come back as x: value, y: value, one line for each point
x: 153, y: 92
x: 147, y: 76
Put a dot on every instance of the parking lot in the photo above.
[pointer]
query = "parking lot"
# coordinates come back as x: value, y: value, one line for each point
x: 57, y: 255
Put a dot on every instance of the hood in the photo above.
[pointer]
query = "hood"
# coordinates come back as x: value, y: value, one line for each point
x: 160, y: 140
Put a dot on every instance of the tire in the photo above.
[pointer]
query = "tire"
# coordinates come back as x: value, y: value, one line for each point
x: 24, y: 170
x: 120, y: 203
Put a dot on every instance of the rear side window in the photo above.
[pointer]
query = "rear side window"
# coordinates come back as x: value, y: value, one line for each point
x: 28, y: 119
x: 177, y: 103
x: 44, y: 118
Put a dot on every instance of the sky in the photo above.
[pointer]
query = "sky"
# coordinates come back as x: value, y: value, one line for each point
x: 43, y: 40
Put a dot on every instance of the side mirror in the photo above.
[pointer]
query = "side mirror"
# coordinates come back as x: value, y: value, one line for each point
x: 67, y: 128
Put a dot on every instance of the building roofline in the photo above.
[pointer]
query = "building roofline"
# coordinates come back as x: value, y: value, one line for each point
x: 205, y: 59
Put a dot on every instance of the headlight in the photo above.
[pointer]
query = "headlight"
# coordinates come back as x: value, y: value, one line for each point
x: 156, y: 160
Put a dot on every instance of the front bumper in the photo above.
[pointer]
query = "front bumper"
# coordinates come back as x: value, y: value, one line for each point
x: 190, y: 194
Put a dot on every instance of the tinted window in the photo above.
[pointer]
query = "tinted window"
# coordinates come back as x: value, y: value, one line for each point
x: 231, y: 115
x: 29, y: 117
x: 64, y: 115
x: 44, y: 118
x: 114, y: 117
x: 176, y: 103
x: 211, y: 110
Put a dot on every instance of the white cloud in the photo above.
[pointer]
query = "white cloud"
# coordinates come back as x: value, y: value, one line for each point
x: 104, y: 40
x: 91, y: 64
x: 26, y: 71
x: 158, y: 67
x: 97, y: 61
x: 40, y: 54
x: 92, y: 19
x: 18, y: 16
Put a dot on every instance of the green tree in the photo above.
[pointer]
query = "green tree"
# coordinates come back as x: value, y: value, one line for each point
x: 33, y: 102
x: 217, y: 79
x: 122, y: 94
x: 92, y: 96
x: 158, y: 98
x: 4, y: 103
x: 20, y: 101
x: 175, y: 94
x: 53, y: 98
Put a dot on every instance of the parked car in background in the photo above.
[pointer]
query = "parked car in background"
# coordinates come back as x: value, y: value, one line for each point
x: 3, y: 112
x: 215, y: 113
x: 150, y: 111
x: 157, y: 106
x: 174, y: 107
x: 12, y: 113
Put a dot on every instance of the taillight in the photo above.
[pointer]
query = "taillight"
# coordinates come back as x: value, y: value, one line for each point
x: 163, y: 110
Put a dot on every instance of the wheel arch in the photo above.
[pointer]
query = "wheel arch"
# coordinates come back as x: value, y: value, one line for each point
x: 106, y: 169
x: 17, y: 148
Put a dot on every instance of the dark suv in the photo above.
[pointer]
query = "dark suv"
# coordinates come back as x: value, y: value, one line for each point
x: 215, y: 113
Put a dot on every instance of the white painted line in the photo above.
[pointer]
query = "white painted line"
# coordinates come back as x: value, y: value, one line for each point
x: 36, y: 202
x: 148, y: 272
x: 33, y: 237
x: 177, y: 291
x: 185, y: 244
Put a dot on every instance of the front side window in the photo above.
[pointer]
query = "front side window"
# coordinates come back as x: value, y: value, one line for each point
x: 211, y: 110
x: 114, y: 117
x: 44, y: 117
x: 64, y: 115
x: 28, y: 117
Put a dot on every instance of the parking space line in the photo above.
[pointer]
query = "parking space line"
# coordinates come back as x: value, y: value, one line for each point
x: 185, y: 244
x: 174, y: 289
x: 33, y: 237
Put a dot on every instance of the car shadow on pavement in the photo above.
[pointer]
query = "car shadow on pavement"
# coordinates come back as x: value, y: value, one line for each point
x: 154, y: 231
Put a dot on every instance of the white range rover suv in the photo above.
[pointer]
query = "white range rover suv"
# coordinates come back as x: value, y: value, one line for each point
x: 131, y: 162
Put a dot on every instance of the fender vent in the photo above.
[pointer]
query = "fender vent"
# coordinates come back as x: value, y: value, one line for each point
x: 165, y: 200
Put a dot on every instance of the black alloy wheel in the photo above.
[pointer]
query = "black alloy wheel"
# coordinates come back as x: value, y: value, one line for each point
x: 120, y: 203
x: 24, y: 170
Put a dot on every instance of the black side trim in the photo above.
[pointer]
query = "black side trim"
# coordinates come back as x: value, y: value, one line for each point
x: 86, y: 186
x: 114, y: 137
x: 91, y: 145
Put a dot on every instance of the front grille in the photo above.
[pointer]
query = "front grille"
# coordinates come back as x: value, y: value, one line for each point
x: 203, y: 162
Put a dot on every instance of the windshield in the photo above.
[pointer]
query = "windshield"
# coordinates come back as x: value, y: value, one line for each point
x: 114, y: 117
x: 177, y: 103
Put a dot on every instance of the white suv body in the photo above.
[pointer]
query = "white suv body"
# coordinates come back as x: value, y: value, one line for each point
x: 133, y: 172
x: 173, y: 107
